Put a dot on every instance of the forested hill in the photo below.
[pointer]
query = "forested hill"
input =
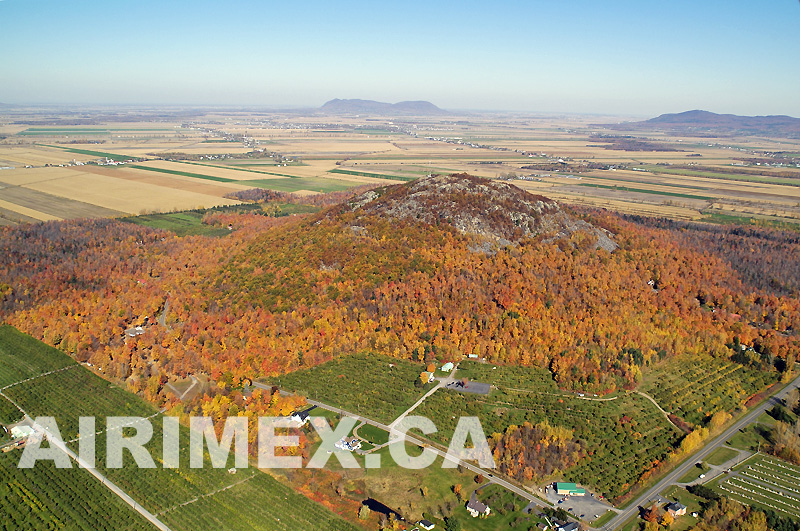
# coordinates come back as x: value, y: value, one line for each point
x: 402, y: 274
x: 704, y: 122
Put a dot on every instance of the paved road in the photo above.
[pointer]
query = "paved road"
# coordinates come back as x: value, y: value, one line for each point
x: 413, y: 440
x: 673, y: 476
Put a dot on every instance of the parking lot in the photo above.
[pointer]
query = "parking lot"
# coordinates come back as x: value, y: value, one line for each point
x: 584, y: 507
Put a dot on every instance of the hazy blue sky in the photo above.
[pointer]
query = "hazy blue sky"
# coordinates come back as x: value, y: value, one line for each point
x: 641, y: 57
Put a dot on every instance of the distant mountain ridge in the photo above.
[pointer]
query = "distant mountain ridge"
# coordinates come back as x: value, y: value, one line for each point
x: 356, y: 106
x: 698, y: 121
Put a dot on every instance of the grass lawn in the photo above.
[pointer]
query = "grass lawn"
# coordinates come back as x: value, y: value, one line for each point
x: 604, y: 519
x: 632, y: 524
x: 373, y: 434
x: 688, y: 499
x: 693, y: 474
x: 750, y: 438
x: 721, y: 455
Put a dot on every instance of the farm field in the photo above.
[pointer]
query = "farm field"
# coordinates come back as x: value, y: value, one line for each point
x: 698, y: 180
x: 611, y: 428
x: 694, y: 388
x: 183, y: 497
x: 358, y: 383
x: 45, y: 497
x: 764, y: 482
x: 23, y: 357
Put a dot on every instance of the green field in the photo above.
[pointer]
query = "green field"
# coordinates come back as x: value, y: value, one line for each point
x: 181, y: 223
x: 99, y: 154
x: 694, y: 387
x: 373, y: 175
x: 184, y: 174
x: 294, y: 184
x: 23, y: 357
x: 622, y: 436
x: 186, y: 498
x: 190, y: 222
x: 360, y: 383
x: 45, y: 497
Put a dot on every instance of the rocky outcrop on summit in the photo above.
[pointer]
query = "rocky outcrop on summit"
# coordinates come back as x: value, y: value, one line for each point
x: 496, y: 212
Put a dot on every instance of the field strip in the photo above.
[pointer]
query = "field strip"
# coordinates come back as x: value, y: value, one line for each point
x: 39, y: 376
x: 221, y: 166
x: 175, y: 182
x: 29, y: 212
x: 197, y: 498
x: 646, y: 191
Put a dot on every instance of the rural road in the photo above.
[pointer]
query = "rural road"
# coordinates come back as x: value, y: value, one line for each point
x: 413, y: 440
x: 679, y: 471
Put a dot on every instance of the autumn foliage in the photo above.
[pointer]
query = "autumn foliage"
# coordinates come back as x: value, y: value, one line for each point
x: 276, y: 295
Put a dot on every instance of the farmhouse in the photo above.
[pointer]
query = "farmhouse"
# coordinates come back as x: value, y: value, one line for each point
x: 676, y: 509
x: 301, y: 417
x: 476, y: 508
x: 426, y: 524
x: 569, y: 489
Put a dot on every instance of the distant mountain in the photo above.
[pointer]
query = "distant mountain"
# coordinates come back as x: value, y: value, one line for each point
x: 415, y: 108
x: 704, y: 122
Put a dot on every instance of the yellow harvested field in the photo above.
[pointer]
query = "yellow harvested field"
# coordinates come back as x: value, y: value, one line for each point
x: 37, y: 155
x: 25, y: 211
x: 124, y: 195
x: 407, y: 148
x: 178, y: 182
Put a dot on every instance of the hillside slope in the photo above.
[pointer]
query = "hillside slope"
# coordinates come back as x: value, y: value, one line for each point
x: 494, y: 211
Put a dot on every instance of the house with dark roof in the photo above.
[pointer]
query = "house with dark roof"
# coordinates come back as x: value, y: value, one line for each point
x: 426, y: 524
x: 477, y: 508
x: 301, y: 417
x: 676, y: 509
